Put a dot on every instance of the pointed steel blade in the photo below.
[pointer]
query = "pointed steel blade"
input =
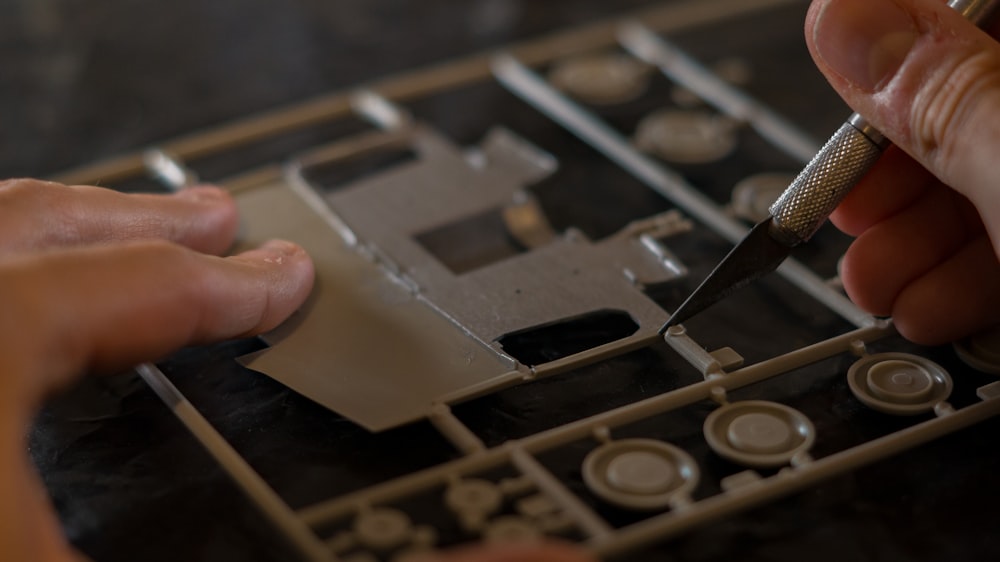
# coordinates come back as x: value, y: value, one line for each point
x: 755, y: 256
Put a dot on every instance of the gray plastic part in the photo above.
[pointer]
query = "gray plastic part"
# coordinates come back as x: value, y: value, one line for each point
x: 758, y: 433
x: 377, y: 283
x: 473, y: 501
x: 899, y: 383
x: 383, y: 528
x: 640, y: 474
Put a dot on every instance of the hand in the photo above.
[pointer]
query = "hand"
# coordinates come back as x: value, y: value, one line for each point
x: 927, y: 217
x: 95, y: 280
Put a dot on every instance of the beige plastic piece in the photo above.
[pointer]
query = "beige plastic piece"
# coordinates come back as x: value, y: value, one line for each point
x: 753, y: 196
x: 758, y: 433
x: 460, y: 436
x: 686, y: 137
x: 728, y: 358
x: 899, y: 383
x: 740, y: 480
x: 526, y: 221
x: 641, y: 474
x: 383, y: 528
x: 473, y: 501
x: 535, y: 506
x: 706, y: 363
x: 989, y: 392
x: 602, y: 79
x: 511, y: 528
x: 981, y: 351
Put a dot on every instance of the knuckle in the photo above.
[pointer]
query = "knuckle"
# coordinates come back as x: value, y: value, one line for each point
x: 26, y: 189
x: 24, y: 201
x: 956, y: 101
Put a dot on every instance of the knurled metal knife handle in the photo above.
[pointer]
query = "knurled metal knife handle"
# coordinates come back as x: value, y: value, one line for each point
x: 842, y: 162
x: 818, y: 189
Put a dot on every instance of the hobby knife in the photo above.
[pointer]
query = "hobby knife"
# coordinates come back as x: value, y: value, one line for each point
x: 802, y: 208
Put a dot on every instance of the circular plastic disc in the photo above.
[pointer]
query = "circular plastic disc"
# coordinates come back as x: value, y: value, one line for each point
x: 601, y: 79
x: 383, y: 528
x: 643, y: 474
x: 758, y: 433
x: 899, y: 383
x: 753, y: 196
x: 473, y: 495
x: 686, y: 137
x: 981, y: 351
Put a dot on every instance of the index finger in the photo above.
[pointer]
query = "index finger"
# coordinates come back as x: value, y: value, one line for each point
x: 110, y: 307
x: 37, y: 215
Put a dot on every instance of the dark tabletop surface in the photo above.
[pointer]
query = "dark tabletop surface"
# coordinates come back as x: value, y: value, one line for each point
x: 81, y: 81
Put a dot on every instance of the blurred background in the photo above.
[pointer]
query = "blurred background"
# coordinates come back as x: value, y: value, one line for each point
x: 85, y: 79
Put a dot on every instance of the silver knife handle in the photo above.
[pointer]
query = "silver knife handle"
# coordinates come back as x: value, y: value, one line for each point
x: 815, y: 193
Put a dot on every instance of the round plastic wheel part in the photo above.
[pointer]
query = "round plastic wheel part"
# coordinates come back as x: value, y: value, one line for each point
x: 383, y: 529
x: 640, y: 474
x: 752, y: 196
x: 899, y: 383
x: 758, y: 433
x: 981, y: 351
x: 602, y: 79
x: 686, y: 137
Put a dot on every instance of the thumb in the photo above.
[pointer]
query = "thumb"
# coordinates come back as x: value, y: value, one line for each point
x: 926, y: 78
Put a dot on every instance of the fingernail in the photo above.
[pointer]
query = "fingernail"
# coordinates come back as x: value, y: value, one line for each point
x: 281, y: 248
x: 203, y: 194
x: 864, y: 41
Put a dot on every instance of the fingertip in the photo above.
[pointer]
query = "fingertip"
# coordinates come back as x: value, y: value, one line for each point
x: 205, y: 193
x: 277, y: 252
x: 218, y: 219
x: 291, y: 276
